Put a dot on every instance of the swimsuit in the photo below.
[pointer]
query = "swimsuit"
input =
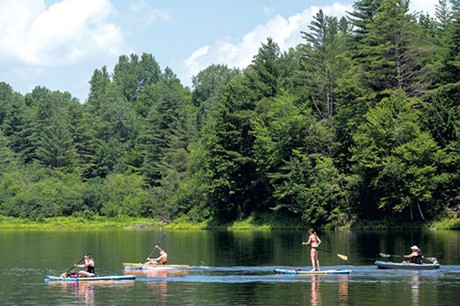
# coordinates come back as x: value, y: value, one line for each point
x: 90, y: 269
x: 316, y: 240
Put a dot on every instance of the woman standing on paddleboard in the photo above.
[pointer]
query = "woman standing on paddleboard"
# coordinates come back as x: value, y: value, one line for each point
x: 314, y: 242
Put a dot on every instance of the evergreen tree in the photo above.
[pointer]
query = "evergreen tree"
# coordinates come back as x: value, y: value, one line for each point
x: 397, y: 162
x: 264, y: 72
x: 324, y: 61
x: 131, y: 74
x: 7, y: 156
x: 100, y: 80
x: 452, y: 60
x: 168, y: 130
x: 227, y: 143
x: 15, y: 122
x: 385, y: 49
x: 362, y: 15
x: 443, y: 14
x: 206, y: 85
x: 55, y: 146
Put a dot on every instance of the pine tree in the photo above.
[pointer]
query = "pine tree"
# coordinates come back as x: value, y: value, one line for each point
x: 167, y: 132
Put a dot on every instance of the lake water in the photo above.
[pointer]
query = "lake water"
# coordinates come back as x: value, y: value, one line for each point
x: 228, y: 268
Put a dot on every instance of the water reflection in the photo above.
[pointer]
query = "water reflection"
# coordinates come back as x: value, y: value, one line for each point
x: 157, y: 273
x: 83, y: 292
x: 343, y: 290
x: 315, y: 297
x: 415, y: 288
x: 159, y: 291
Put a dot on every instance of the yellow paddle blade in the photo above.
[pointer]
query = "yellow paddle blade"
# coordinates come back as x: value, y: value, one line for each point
x: 344, y: 257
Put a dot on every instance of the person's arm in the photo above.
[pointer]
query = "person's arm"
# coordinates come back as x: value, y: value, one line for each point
x: 308, y: 242
x: 154, y: 259
x: 410, y: 255
x: 319, y: 240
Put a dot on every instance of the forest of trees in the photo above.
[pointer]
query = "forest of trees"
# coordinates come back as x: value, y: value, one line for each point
x: 359, y: 122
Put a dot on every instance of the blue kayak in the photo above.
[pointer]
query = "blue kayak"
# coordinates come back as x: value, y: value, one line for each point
x: 304, y: 271
x: 406, y: 266
x: 49, y: 278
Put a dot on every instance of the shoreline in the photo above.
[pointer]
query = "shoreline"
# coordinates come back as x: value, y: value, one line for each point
x: 130, y: 223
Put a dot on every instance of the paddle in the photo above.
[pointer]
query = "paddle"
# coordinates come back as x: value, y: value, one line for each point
x: 343, y: 257
x: 159, y: 241
x: 389, y: 255
x: 431, y: 259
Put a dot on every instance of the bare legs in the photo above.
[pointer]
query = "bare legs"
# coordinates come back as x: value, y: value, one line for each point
x: 314, y: 259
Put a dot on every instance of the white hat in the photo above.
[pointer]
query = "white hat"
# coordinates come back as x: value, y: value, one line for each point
x: 414, y: 247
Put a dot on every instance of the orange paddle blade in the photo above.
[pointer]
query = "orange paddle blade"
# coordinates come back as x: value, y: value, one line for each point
x: 344, y: 257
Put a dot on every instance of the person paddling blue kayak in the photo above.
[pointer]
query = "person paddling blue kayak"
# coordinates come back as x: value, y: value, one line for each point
x: 415, y: 256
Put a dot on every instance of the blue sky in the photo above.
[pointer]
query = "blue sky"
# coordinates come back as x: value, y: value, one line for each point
x: 59, y: 43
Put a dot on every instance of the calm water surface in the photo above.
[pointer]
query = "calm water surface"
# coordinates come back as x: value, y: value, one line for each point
x: 227, y: 268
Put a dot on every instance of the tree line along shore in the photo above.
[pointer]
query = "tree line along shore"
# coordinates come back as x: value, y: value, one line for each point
x: 357, y: 126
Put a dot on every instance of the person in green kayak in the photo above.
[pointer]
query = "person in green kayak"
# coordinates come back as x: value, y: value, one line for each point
x: 161, y: 260
x: 314, y: 242
x: 416, y: 256
x: 89, y: 267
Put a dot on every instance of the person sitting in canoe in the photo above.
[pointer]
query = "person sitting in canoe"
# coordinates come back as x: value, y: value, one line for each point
x: 89, y: 267
x: 161, y: 260
x: 416, y: 255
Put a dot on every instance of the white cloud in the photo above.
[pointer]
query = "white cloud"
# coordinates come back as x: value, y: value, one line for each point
x: 155, y: 15
x: 285, y: 32
x: 427, y: 6
x: 147, y: 15
x: 63, y: 34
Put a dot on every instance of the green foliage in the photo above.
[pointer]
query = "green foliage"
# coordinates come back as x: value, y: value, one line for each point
x: 324, y: 61
x: 35, y: 193
x: 396, y: 160
x: 76, y: 223
x: 357, y: 125
x: 168, y: 132
x: 122, y: 195
x: 206, y: 86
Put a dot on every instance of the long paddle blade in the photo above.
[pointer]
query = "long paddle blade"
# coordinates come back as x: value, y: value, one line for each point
x: 432, y: 259
x: 162, y: 237
x: 389, y: 255
x: 159, y: 241
x: 344, y: 257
